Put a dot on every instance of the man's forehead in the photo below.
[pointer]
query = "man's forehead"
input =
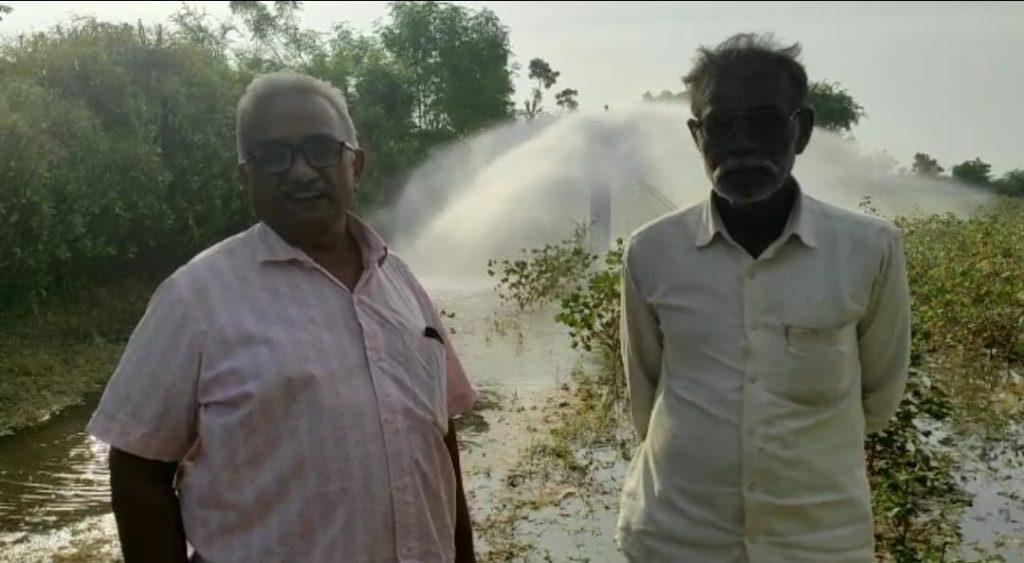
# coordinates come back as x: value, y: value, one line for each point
x: 294, y: 116
x: 749, y: 89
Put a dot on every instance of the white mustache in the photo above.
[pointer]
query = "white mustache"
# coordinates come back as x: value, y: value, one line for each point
x: 746, y: 164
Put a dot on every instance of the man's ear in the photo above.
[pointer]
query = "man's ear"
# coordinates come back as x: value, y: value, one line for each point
x: 358, y: 164
x: 805, y: 124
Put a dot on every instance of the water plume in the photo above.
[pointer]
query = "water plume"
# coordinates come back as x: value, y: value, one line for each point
x: 524, y: 184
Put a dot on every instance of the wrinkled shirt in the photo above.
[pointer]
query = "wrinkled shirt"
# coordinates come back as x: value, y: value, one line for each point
x: 753, y: 383
x: 309, y: 420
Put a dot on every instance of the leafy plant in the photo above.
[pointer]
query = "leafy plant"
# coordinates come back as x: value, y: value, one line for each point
x: 544, y: 274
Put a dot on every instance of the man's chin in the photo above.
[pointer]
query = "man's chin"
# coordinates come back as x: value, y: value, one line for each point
x: 302, y: 231
x: 745, y: 195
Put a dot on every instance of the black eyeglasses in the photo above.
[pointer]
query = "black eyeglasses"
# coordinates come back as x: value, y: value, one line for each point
x: 277, y: 158
x: 764, y: 125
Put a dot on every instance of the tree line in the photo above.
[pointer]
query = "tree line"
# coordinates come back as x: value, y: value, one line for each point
x: 117, y: 140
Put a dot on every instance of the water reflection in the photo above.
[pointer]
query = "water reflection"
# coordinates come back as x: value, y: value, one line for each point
x: 53, y: 475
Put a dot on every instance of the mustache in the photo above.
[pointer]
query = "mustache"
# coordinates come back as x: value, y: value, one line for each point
x: 292, y: 188
x: 746, y: 163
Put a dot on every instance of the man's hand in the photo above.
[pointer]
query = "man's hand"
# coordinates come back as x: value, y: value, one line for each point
x: 146, y: 509
x: 463, y: 527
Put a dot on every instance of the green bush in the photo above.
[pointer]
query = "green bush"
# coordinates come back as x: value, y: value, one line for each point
x: 544, y: 274
x: 56, y: 218
x: 117, y: 150
x: 117, y: 155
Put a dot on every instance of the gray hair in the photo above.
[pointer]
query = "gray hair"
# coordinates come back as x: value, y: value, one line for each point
x: 745, y: 50
x: 269, y: 85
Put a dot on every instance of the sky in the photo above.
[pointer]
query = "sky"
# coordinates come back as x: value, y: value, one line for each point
x: 940, y: 78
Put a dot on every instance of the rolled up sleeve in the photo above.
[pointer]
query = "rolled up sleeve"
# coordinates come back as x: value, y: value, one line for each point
x: 149, y: 407
x: 884, y: 338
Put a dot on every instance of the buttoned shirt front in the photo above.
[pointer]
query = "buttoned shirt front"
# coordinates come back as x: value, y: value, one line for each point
x: 753, y: 383
x: 309, y: 420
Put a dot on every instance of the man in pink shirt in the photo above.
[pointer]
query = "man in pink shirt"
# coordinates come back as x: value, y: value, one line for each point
x: 288, y: 394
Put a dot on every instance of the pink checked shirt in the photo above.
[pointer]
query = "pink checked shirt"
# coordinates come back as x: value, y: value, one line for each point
x: 309, y: 420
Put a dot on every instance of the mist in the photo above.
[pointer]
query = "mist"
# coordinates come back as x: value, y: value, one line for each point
x: 527, y: 183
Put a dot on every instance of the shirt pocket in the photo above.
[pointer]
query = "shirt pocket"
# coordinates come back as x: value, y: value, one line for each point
x: 817, y: 362
x: 425, y: 372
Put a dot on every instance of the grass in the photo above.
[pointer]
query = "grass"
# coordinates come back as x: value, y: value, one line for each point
x: 53, y: 356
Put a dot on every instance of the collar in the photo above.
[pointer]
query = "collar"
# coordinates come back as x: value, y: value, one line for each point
x: 802, y: 222
x: 272, y: 248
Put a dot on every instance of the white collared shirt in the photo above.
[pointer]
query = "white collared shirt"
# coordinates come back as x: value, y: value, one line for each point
x: 753, y: 383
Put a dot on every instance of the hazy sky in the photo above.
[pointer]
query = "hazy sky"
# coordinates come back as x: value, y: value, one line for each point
x: 942, y: 78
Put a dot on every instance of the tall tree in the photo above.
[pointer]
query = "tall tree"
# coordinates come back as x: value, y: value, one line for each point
x: 834, y: 108
x: 4, y: 9
x: 1011, y: 184
x: 666, y: 96
x: 975, y: 172
x: 566, y: 99
x: 457, y: 61
x: 382, y: 100
x: 541, y: 71
x: 925, y: 165
x: 276, y: 41
x: 546, y: 77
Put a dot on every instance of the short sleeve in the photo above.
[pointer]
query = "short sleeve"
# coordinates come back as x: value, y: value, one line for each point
x: 149, y: 407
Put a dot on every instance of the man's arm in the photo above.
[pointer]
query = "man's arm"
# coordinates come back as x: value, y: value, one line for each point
x: 884, y: 339
x: 146, y: 509
x: 463, y: 527
x: 641, y: 349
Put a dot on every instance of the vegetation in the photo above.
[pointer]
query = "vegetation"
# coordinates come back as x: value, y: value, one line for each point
x: 975, y: 172
x: 834, y: 108
x: 66, y: 351
x: 546, y: 77
x: 124, y: 135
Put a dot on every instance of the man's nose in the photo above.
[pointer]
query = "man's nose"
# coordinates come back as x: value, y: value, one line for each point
x: 741, y: 139
x: 301, y: 172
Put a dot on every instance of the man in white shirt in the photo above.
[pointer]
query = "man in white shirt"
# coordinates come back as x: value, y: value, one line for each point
x: 765, y: 333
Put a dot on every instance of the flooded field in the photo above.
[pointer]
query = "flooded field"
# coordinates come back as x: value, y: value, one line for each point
x: 53, y: 484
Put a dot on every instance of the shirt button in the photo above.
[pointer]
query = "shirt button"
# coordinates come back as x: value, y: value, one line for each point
x: 752, y: 486
x: 753, y: 379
